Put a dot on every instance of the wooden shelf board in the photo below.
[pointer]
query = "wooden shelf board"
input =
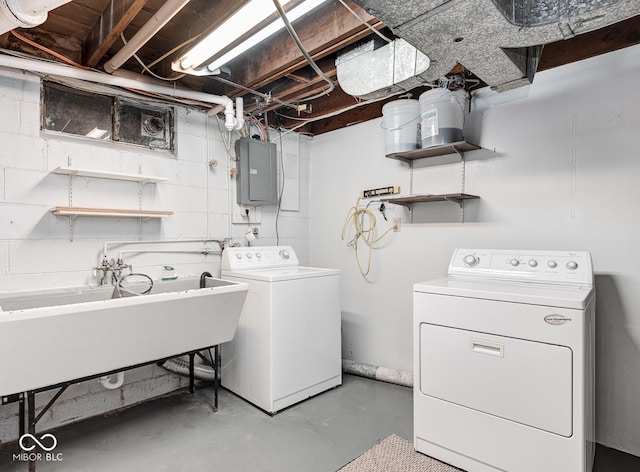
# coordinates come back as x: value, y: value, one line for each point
x: 77, y: 211
x: 434, y: 151
x: 108, y: 175
x: 448, y: 197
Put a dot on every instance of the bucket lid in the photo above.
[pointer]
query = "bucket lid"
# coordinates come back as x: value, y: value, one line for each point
x: 405, y: 103
x: 435, y: 93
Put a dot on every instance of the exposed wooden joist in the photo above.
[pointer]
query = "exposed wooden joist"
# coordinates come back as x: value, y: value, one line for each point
x: 119, y: 14
x: 617, y: 36
x: 298, y: 77
x: 296, y: 91
x: 326, y: 31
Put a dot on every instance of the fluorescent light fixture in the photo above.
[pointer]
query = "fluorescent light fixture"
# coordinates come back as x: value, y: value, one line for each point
x: 245, y: 19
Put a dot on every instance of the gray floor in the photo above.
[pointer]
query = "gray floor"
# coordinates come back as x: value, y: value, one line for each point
x: 181, y: 433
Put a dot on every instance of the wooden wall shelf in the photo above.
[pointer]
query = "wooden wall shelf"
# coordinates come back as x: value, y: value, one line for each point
x: 434, y: 151
x: 448, y: 197
x: 77, y: 211
x: 74, y: 171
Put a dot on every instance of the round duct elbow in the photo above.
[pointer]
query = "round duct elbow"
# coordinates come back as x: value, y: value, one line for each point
x: 25, y: 13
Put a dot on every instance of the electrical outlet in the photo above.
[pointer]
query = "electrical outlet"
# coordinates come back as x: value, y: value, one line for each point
x: 397, y: 224
x: 239, y: 215
x: 255, y: 232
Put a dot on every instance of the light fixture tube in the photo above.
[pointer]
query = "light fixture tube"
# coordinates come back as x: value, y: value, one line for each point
x: 245, y: 19
x: 249, y: 16
x: 272, y: 28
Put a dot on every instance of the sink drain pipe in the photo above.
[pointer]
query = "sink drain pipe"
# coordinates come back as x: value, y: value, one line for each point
x: 109, y: 384
x: 383, y: 374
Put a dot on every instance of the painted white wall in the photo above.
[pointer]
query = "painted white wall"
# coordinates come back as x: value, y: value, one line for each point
x: 35, y: 246
x: 558, y: 170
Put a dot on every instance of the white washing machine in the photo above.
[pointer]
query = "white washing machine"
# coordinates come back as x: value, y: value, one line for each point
x: 288, y: 343
x: 504, y: 362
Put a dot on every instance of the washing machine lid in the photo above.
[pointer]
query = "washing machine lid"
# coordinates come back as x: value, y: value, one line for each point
x: 555, y: 295
x: 281, y: 273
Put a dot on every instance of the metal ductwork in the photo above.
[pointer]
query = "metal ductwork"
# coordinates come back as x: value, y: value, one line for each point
x: 500, y: 41
x: 398, y: 67
x: 25, y: 13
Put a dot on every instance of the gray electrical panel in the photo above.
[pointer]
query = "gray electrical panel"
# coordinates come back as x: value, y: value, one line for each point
x: 257, y: 180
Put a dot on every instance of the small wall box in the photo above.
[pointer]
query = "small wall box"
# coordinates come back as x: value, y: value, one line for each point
x: 257, y: 182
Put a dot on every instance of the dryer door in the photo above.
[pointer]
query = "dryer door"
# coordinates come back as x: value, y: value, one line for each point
x: 519, y: 380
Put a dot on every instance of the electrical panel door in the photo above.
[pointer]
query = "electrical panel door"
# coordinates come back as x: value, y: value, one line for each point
x: 257, y: 181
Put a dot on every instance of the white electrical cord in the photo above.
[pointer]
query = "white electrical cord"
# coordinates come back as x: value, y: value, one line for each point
x: 357, y: 214
x: 305, y: 53
x: 352, y: 11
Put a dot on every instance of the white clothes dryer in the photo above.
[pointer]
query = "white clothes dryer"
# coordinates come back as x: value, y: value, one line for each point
x: 288, y: 342
x: 504, y: 362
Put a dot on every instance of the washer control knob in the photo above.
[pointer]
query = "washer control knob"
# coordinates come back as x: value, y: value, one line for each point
x: 258, y: 255
x: 284, y: 254
x: 552, y: 264
x: 249, y: 255
x: 572, y: 265
x: 470, y: 260
x: 533, y: 263
x: 515, y: 262
x: 238, y: 256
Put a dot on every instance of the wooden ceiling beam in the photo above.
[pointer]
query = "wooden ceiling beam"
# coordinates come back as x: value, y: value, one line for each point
x: 119, y: 13
x: 333, y: 103
x: 326, y: 31
x: 617, y: 36
x: 296, y: 91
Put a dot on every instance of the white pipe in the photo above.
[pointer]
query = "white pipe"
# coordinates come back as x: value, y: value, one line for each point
x: 204, y: 251
x: 110, y: 385
x: 383, y: 374
x: 25, y: 13
x: 156, y: 241
x: 239, y: 113
x: 144, y: 34
x: 63, y: 70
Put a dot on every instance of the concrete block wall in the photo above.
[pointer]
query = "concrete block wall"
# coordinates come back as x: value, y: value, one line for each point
x: 35, y: 247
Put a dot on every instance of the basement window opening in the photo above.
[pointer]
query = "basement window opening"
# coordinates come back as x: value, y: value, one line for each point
x: 106, y: 118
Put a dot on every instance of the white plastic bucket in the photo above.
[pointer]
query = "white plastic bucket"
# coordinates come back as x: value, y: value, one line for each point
x: 441, y: 117
x: 400, y: 121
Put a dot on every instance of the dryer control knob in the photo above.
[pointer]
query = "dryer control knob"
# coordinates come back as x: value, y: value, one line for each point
x: 249, y: 256
x: 533, y: 263
x: 552, y: 264
x: 284, y: 254
x: 515, y: 262
x: 238, y: 256
x: 258, y: 255
x: 572, y: 265
x: 470, y: 260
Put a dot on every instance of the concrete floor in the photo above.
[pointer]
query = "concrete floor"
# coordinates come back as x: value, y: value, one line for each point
x: 182, y: 433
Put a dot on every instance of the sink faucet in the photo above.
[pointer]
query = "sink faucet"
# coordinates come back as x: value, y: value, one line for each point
x: 203, y: 279
x: 113, y: 266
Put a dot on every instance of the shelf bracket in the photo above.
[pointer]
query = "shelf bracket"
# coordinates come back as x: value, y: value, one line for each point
x: 462, y: 179
x: 72, y: 219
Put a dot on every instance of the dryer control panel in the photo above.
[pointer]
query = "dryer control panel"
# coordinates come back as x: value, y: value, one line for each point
x: 248, y: 258
x: 564, y: 267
